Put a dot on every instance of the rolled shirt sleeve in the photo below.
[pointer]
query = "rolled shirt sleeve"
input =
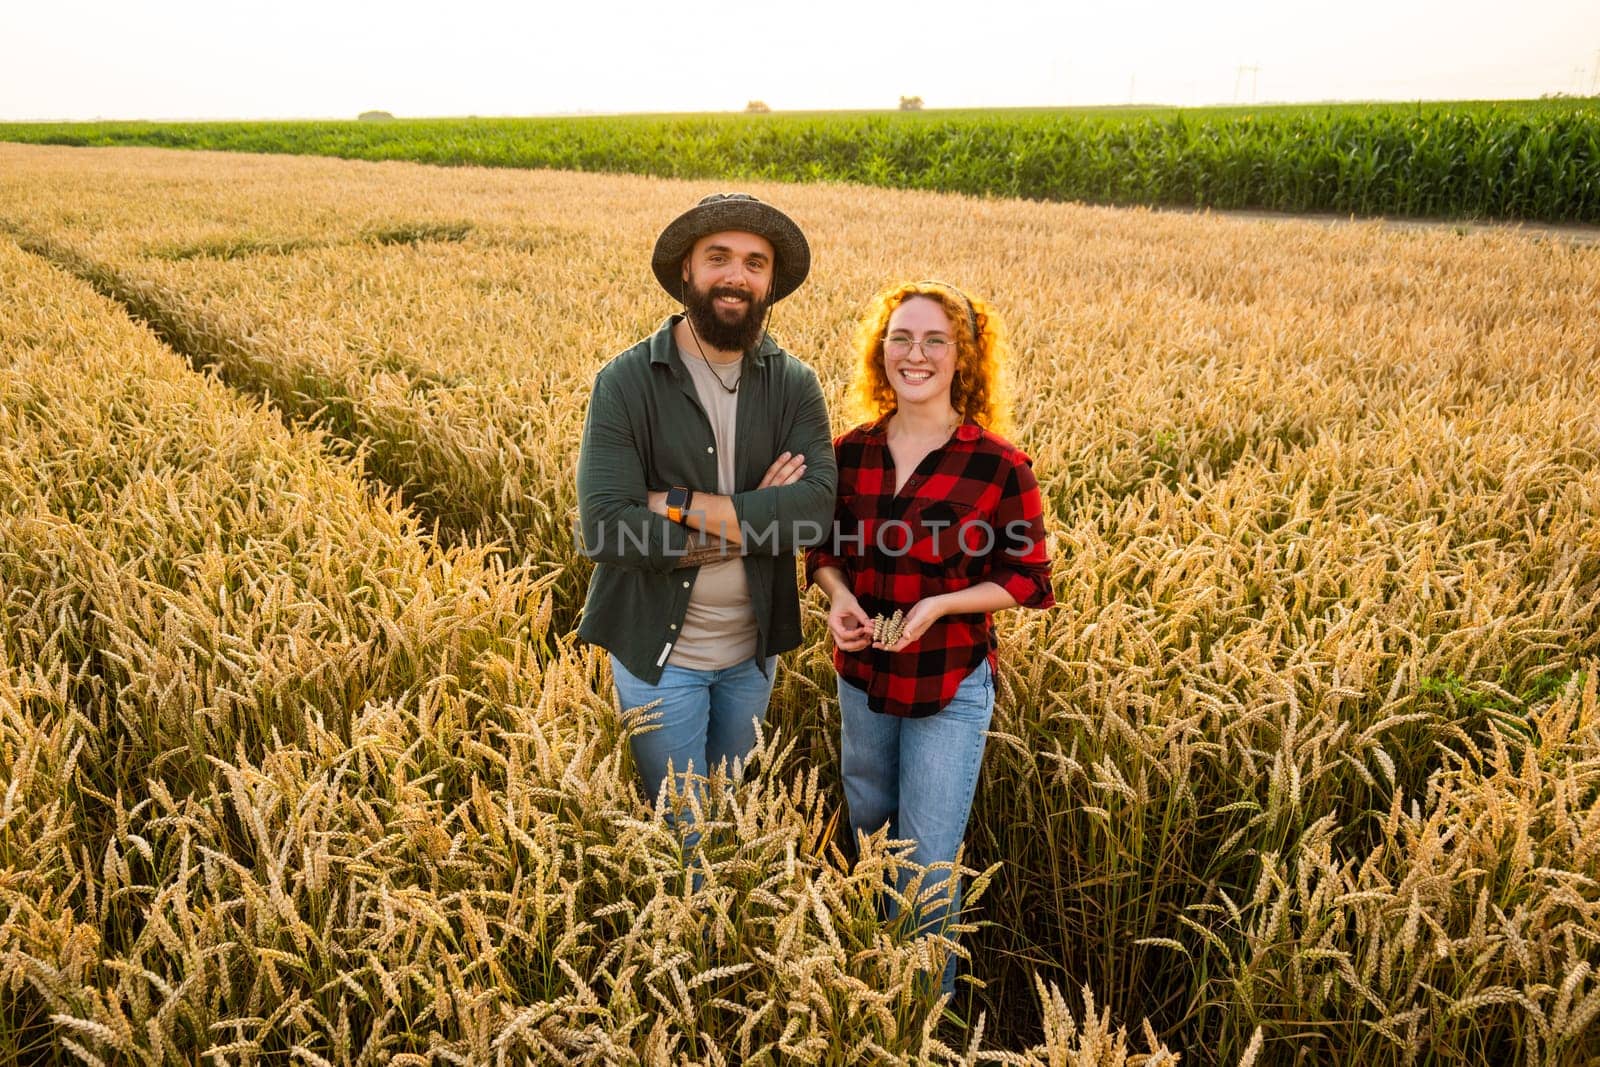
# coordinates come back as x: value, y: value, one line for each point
x: 1020, y: 563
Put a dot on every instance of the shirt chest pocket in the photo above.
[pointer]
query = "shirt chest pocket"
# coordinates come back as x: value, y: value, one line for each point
x: 945, y: 532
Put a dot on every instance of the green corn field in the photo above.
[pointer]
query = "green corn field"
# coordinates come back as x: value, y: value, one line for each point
x: 1532, y: 160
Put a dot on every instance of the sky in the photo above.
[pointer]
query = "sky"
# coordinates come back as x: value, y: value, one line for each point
x: 173, y: 59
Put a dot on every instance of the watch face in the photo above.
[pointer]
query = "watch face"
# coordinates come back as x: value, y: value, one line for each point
x: 677, y: 498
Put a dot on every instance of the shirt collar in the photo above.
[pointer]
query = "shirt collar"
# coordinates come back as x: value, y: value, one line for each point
x: 664, y: 349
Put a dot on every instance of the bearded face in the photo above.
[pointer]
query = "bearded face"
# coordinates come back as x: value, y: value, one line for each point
x: 724, y: 316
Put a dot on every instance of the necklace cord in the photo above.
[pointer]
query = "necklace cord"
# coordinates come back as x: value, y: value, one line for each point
x: 701, y: 352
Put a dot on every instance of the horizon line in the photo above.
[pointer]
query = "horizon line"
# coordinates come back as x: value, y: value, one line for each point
x: 1130, y: 106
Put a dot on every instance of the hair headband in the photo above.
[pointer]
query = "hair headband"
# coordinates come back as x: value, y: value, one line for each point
x: 972, y: 313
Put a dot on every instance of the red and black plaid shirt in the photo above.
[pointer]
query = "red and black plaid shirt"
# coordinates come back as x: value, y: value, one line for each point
x: 969, y: 513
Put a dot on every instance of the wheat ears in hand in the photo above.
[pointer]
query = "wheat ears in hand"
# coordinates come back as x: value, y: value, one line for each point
x: 887, y: 631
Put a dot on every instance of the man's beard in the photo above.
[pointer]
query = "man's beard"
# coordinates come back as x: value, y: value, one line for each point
x: 740, y: 335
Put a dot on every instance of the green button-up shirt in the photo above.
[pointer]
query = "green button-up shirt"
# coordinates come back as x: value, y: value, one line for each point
x: 646, y: 430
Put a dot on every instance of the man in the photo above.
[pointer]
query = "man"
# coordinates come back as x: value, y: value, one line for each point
x: 706, y: 463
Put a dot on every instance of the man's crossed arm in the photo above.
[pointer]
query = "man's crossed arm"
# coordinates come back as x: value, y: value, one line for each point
x: 713, y: 514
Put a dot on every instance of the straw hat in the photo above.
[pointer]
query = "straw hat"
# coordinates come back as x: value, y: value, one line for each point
x: 733, y: 211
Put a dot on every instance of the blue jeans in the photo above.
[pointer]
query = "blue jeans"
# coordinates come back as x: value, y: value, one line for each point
x: 705, y: 718
x: 919, y: 776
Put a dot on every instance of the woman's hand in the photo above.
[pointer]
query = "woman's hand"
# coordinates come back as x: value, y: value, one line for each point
x: 849, y: 625
x: 923, y: 614
x: 787, y: 469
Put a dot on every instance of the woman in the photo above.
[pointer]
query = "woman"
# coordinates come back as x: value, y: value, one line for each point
x: 938, y: 518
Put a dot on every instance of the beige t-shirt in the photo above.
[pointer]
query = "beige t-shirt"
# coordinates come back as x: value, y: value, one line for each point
x: 719, y: 630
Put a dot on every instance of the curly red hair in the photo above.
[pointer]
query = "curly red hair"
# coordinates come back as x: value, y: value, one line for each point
x: 977, y: 391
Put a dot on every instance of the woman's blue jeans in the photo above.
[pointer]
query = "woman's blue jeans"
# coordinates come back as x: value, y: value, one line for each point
x: 704, y: 718
x: 919, y: 776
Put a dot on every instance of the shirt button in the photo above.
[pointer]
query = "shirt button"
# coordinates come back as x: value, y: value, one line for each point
x: 672, y: 626
x: 710, y: 448
x: 686, y: 585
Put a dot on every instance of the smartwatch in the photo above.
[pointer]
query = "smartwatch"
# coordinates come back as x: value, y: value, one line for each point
x: 678, y: 498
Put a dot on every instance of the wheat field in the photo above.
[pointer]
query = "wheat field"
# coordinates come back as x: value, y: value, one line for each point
x: 301, y: 764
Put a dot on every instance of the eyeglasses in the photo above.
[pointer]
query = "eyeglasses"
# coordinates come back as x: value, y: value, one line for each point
x: 932, y: 347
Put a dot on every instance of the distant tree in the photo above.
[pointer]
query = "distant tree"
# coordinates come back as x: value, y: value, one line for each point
x: 375, y: 116
x: 756, y: 107
x: 911, y: 103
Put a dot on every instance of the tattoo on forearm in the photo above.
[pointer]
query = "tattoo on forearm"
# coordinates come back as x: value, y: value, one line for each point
x: 712, y: 552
